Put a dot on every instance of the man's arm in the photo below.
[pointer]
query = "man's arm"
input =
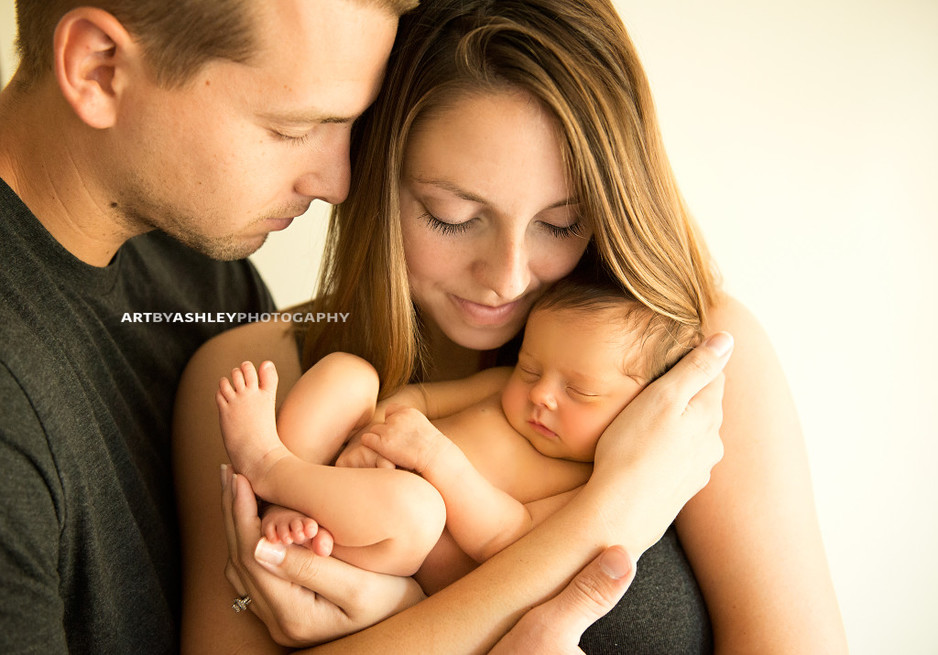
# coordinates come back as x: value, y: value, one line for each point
x: 29, y: 530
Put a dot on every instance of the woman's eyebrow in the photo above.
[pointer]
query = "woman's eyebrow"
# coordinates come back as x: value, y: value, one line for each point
x: 452, y: 188
x: 462, y: 194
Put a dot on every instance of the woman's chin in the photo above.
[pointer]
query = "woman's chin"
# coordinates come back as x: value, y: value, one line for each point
x: 474, y: 338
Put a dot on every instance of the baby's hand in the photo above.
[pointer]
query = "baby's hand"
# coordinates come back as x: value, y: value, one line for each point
x: 287, y: 526
x: 409, y: 396
x: 355, y: 455
x: 407, y: 438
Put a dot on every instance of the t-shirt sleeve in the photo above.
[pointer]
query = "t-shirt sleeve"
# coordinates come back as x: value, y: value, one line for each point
x: 31, y: 611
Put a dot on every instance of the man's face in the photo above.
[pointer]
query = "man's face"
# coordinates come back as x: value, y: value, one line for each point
x: 243, y: 149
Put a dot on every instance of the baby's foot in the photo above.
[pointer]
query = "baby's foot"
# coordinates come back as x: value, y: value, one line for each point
x: 287, y: 526
x: 246, y: 410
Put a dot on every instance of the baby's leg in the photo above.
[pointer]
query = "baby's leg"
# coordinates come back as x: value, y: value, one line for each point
x: 327, y: 404
x: 246, y: 414
x: 382, y: 519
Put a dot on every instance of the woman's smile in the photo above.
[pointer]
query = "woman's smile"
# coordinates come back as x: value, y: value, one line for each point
x: 487, y: 315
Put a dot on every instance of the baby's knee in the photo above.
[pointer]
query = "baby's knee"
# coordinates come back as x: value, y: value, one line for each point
x: 423, y: 515
x: 356, y: 375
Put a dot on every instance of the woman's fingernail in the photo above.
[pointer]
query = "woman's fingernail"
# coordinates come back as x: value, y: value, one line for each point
x: 224, y: 475
x: 720, y: 343
x: 616, y: 563
x: 268, y: 553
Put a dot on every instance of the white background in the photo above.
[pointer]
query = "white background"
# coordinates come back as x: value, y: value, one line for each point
x: 804, y: 136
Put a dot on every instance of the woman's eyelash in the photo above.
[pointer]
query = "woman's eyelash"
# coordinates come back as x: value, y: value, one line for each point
x: 443, y: 227
x: 564, y: 232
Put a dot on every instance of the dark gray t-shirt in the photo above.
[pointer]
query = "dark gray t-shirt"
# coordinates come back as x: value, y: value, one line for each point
x: 662, y: 613
x: 89, y: 558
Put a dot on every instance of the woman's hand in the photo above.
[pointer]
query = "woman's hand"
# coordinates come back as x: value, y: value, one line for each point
x: 658, y: 453
x: 555, y: 626
x: 303, y: 598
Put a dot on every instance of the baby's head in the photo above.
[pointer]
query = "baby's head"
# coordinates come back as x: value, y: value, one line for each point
x: 589, y: 347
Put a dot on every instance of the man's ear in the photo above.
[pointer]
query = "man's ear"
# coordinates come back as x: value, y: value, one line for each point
x: 92, y: 56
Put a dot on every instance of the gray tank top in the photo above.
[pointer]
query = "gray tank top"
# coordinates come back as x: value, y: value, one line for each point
x: 663, y: 612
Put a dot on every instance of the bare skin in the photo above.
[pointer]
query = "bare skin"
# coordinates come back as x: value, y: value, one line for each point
x: 246, y: 405
x: 378, y: 500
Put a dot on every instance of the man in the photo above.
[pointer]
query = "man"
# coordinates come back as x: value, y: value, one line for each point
x: 213, y: 123
x: 140, y: 140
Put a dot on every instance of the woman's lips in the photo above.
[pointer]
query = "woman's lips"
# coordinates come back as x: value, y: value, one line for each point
x: 486, y: 315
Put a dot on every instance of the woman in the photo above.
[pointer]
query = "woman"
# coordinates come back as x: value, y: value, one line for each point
x: 518, y: 140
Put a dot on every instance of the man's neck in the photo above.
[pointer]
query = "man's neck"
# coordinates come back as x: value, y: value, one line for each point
x: 49, y: 171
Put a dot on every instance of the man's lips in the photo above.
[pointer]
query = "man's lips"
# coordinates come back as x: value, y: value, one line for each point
x: 277, y: 224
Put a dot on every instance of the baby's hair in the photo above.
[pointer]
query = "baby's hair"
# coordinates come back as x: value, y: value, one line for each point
x: 663, y: 340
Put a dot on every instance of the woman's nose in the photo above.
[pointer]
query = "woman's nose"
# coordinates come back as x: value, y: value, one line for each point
x: 505, y: 268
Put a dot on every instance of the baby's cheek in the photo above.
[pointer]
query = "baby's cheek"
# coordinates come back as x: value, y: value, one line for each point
x: 514, y: 406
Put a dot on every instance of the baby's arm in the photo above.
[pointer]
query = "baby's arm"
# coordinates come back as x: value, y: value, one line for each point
x: 446, y: 398
x: 433, y: 400
x: 482, y: 518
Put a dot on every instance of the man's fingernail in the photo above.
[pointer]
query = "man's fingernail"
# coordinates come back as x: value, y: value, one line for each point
x: 615, y: 563
x: 720, y: 343
x: 268, y: 553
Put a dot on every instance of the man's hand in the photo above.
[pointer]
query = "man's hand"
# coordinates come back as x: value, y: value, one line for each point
x: 555, y: 627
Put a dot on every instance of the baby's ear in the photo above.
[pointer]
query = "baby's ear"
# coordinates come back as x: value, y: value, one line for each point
x: 92, y: 56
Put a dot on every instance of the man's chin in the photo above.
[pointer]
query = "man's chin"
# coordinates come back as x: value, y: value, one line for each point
x: 227, y: 249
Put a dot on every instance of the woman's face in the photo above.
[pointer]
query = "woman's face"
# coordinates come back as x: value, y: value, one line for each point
x: 487, y: 215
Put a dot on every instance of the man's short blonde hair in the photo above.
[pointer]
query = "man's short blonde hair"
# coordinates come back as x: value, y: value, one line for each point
x: 178, y: 36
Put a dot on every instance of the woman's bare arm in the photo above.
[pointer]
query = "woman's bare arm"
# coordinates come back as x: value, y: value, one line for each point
x: 752, y: 534
x: 208, y: 622
x: 655, y: 456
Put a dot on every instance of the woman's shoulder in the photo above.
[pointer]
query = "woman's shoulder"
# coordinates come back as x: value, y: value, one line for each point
x: 753, y: 349
x: 254, y: 342
x: 728, y: 313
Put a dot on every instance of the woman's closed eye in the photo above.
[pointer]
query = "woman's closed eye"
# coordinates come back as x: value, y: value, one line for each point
x: 445, y: 227
x: 450, y: 227
x: 564, y: 231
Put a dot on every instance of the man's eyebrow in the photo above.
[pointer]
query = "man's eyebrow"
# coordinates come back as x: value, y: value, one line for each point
x: 307, y: 118
x: 461, y: 193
